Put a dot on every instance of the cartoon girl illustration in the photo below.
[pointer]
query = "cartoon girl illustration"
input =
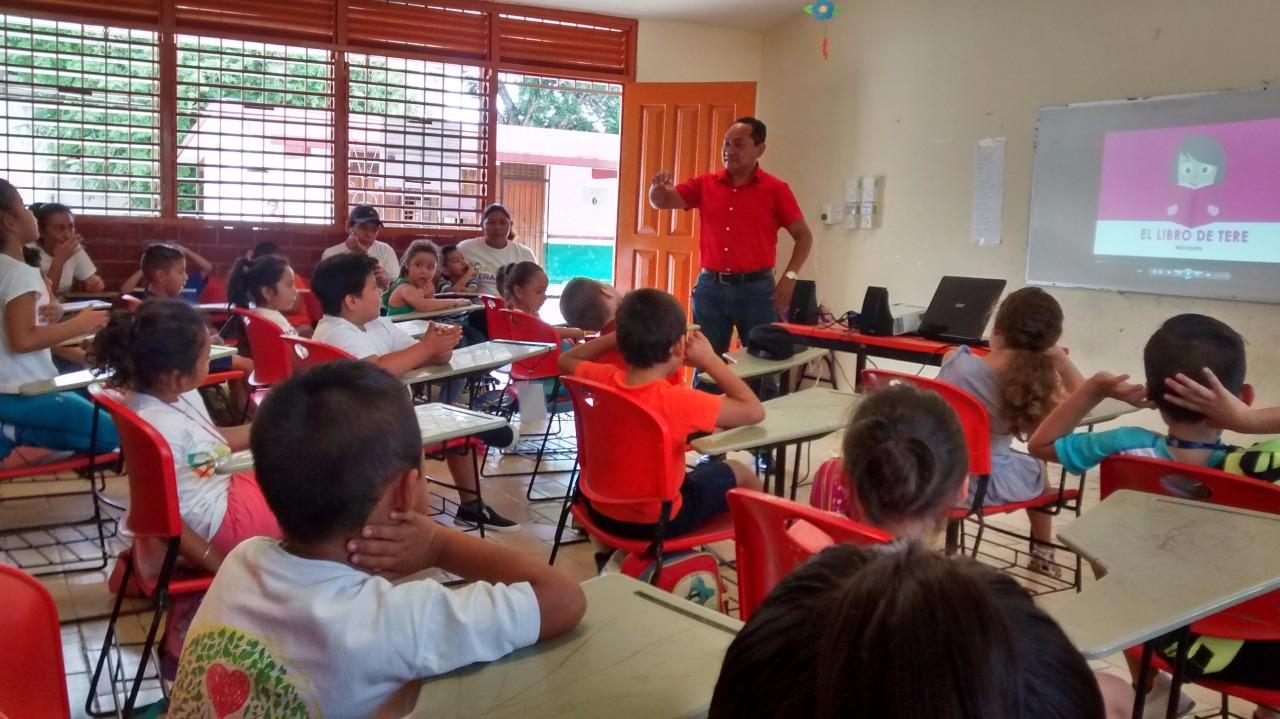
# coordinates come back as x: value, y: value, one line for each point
x: 1198, y: 171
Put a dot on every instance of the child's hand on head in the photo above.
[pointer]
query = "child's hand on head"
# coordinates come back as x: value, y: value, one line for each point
x: 404, y: 546
x: 1105, y: 384
x: 1220, y: 407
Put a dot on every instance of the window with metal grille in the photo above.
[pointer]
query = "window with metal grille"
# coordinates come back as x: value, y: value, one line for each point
x: 80, y: 120
x: 418, y: 134
x: 255, y: 131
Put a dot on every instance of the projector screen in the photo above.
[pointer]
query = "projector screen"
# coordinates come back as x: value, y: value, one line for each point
x: 1171, y: 195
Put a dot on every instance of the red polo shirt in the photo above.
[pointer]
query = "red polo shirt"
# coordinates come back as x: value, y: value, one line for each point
x: 740, y: 224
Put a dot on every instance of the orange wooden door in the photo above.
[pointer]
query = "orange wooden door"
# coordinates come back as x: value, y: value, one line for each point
x: 677, y: 127
x: 523, y: 191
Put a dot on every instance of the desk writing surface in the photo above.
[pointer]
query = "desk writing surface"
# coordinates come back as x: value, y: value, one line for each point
x: 1107, y: 410
x: 748, y: 366
x: 1169, y: 562
x: 639, y: 652
x: 437, y: 422
x: 82, y: 305
x: 477, y: 358
x: 415, y: 328
x: 85, y: 377
x: 447, y: 311
x: 806, y: 414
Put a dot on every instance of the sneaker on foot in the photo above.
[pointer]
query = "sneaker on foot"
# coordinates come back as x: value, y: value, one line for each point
x: 1042, y: 562
x: 1158, y: 699
x: 475, y: 514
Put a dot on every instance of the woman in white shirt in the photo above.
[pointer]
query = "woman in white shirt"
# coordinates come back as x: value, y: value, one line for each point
x: 29, y: 327
x: 495, y: 250
x: 62, y: 255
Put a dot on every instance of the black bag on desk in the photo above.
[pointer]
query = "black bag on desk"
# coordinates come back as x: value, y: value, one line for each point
x: 771, y: 343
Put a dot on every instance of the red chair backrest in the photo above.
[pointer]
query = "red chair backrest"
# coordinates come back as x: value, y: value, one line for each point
x: 524, y: 327
x: 307, y: 353
x: 272, y: 360
x: 312, y: 304
x: 1187, y: 481
x: 624, y: 448
x: 215, y: 290
x: 493, y: 319
x: 153, y: 488
x: 972, y: 412
x: 130, y: 302
x: 33, y: 682
x: 771, y: 543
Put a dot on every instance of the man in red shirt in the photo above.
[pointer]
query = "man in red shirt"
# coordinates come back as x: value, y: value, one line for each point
x: 742, y: 208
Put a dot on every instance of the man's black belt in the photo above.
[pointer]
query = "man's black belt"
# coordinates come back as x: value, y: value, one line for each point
x: 738, y: 278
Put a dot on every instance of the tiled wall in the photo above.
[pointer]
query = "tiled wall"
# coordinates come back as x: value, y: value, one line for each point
x: 115, y: 244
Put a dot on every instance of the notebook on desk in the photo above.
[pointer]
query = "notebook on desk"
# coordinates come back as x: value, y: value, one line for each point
x: 960, y: 309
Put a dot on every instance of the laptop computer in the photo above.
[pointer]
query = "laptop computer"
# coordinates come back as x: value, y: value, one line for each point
x: 960, y: 309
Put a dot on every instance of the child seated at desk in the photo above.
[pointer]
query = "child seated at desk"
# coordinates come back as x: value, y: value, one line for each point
x: 589, y: 305
x: 456, y: 273
x: 1183, y: 346
x: 347, y: 289
x: 654, y: 340
x: 299, y: 316
x: 1020, y: 381
x: 414, y: 289
x: 904, y: 633
x: 524, y: 288
x: 158, y: 274
x: 32, y: 325
x: 312, y: 626
x: 266, y: 284
x: 62, y: 256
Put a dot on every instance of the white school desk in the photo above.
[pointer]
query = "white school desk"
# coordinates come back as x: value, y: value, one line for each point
x: 639, y: 652
x: 1169, y: 562
x: 85, y: 377
x: 790, y: 419
x: 446, y: 312
x: 476, y: 359
x: 747, y: 366
x: 71, y: 308
x: 437, y: 423
x: 1107, y: 410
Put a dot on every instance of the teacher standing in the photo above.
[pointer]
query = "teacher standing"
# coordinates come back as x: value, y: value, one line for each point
x: 742, y: 209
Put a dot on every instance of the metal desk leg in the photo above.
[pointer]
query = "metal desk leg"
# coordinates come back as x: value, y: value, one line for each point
x: 1179, y: 671
x: 1144, y: 679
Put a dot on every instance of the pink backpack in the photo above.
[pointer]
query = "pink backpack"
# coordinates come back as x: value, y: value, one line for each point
x: 830, y: 488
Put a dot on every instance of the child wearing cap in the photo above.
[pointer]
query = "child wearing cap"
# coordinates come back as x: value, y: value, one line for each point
x: 362, y: 237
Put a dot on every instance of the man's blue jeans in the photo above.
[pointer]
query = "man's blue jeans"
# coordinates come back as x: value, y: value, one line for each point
x: 719, y: 308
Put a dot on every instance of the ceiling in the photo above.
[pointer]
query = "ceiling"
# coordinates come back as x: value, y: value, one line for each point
x: 754, y: 15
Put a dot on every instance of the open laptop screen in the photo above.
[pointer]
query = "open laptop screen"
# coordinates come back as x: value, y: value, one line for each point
x: 960, y: 308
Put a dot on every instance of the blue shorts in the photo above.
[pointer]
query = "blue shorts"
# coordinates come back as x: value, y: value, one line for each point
x: 222, y: 364
x: 704, y: 495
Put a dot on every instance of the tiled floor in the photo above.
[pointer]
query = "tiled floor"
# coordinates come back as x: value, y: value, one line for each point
x: 83, y: 599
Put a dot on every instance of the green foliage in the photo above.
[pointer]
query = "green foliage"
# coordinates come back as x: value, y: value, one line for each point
x: 558, y: 109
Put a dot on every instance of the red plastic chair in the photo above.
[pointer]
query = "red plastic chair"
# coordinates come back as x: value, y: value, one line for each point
x: 494, y: 321
x: 272, y: 361
x: 627, y: 457
x: 773, y: 536
x: 156, y: 526
x: 307, y: 353
x: 976, y: 424
x: 1257, y: 619
x: 311, y: 304
x: 68, y: 561
x: 33, y: 682
x: 130, y: 302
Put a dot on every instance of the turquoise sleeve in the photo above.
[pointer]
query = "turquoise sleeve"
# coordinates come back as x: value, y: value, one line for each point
x: 1082, y: 451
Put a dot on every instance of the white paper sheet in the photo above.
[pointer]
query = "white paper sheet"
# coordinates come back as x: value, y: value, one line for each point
x: 988, y: 192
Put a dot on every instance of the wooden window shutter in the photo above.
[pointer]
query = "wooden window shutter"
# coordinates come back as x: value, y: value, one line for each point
x: 278, y: 20
x: 447, y: 32
x: 587, y: 48
x: 138, y: 12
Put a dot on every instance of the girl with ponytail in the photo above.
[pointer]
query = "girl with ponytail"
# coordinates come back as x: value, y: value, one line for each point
x: 267, y: 284
x: 1020, y: 381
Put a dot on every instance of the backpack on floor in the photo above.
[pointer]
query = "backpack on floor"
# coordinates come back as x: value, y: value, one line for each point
x: 1261, y: 461
x: 694, y: 576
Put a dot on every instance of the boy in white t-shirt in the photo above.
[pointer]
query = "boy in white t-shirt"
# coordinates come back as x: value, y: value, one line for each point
x: 304, y: 627
x: 348, y: 293
x: 362, y: 239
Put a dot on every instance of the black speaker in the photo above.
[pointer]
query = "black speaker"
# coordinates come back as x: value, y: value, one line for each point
x: 875, y: 318
x: 804, y: 303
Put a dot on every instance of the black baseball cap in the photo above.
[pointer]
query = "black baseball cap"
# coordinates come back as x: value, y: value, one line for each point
x: 363, y: 215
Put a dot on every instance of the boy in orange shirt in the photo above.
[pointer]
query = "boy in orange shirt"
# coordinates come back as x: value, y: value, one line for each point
x: 653, y: 339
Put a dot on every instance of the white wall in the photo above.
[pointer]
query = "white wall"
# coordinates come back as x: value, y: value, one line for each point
x: 911, y: 85
x: 682, y: 52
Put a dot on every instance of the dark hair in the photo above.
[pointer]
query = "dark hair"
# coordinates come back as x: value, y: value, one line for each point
x: 514, y: 275
x: 445, y: 253
x: 340, y: 275
x: 326, y: 444
x: 904, y: 455
x: 499, y: 207
x: 31, y: 256
x: 858, y: 632
x: 582, y: 304
x: 157, y: 257
x: 44, y: 211
x: 1202, y: 148
x: 1030, y: 321
x: 248, y: 277
x: 758, y: 130
x: 1185, y: 344
x: 650, y: 322
x: 416, y: 247
x: 9, y: 197
x: 161, y: 336
x: 265, y: 248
